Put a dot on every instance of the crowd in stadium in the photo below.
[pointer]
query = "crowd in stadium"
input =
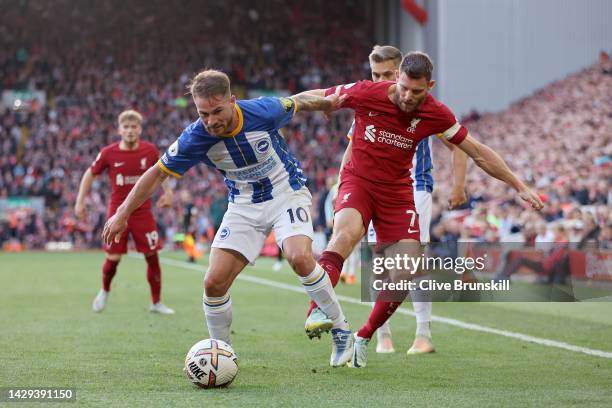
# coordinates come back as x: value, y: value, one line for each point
x: 127, y: 56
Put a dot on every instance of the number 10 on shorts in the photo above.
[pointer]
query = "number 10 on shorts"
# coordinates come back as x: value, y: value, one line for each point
x: 300, y: 214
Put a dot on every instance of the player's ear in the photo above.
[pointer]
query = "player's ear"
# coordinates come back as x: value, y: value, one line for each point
x: 233, y: 99
x: 396, y: 73
x: 431, y: 84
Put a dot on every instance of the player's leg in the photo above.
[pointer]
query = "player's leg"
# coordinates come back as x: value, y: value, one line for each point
x: 224, y: 265
x: 384, y: 342
x: 112, y: 258
x: 353, y: 214
x: 421, y: 300
x: 143, y: 228
x: 387, y: 301
x: 293, y: 230
x: 238, y: 242
x: 349, y: 270
x: 318, y: 286
x: 279, y: 261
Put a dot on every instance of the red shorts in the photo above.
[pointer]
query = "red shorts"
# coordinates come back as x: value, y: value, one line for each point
x: 390, y: 208
x: 143, y: 229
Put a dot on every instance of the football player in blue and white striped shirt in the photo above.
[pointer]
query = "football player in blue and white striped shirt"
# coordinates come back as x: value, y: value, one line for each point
x: 267, y: 191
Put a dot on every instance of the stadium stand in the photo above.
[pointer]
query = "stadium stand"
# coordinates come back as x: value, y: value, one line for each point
x: 89, y: 72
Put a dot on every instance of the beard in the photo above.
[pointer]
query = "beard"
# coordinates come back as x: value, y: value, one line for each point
x: 408, y: 106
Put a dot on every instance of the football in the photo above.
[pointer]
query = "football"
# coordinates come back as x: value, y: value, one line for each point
x: 211, y: 363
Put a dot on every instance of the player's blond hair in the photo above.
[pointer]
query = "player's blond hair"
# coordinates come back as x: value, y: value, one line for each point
x: 128, y: 115
x: 210, y: 83
x: 382, y: 53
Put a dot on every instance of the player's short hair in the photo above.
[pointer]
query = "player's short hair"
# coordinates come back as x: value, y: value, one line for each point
x: 416, y: 65
x: 209, y: 83
x: 128, y: 115
x: 382, y: 53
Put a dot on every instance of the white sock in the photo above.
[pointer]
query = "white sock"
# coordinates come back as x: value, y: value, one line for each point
x: 319, y: 288
x: 422, y: 310
x: 421, y: 303
x: 218, y: 311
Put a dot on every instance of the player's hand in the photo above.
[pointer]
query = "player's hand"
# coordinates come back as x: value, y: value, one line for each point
x: 532, y: 198
x: 79, y: 211
x: 114, y: 228
x: 457, y: 198
x: 336, y: 100
x: 165, y: 201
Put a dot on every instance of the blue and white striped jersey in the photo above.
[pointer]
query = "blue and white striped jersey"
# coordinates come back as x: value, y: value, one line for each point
x: 254, y: 160
x: 421, y: 164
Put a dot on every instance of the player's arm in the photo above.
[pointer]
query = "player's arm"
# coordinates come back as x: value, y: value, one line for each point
x: 84, y: 188
x: 147, y: 184
x: 316, y: 92
x: 309, y: 102
x: 165, y: 201
x: 457, y: 197
x: 492, y: 163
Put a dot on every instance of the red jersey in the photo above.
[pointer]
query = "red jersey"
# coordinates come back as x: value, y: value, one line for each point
x: 385, y: 138
x: 124, y: 169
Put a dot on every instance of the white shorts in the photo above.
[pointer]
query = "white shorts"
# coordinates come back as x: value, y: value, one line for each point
x: 423, y: 204
x: 245, y: 227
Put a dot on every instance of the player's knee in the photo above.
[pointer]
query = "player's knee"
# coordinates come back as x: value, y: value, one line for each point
x: 346, y: 238
x: 300, y: 261
x: 113, y: 257
x: 214, y: 286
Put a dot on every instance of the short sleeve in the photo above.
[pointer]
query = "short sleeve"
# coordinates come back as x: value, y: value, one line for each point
x: 153, y: 154
x: 100, y: 164
x: 450, y: 128
x: 180, y: 156
x: 355, y: 92
x: 278, y: 111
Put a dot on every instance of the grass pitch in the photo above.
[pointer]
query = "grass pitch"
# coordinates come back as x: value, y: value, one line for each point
x: 127, y: 357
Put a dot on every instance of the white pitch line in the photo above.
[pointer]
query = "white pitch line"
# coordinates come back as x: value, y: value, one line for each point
x: 452, y: 322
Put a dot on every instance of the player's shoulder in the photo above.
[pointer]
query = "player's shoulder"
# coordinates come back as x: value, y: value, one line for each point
x: 194, y: 131
x: 262, y: 104
x: 435, y: 107
x: 110, y: 149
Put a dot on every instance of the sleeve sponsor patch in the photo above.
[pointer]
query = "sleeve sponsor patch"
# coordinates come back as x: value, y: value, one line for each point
x: 173, y: 149
x: 287, y: 103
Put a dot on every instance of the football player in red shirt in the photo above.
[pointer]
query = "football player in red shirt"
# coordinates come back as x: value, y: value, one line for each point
x: 391, y: 118
x: 126, y: 161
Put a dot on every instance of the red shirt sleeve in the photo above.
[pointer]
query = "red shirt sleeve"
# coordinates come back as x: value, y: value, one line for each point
x: 154, y: 155
x: 355, y: 92
x: 100, y: 164
x: 450, y: 128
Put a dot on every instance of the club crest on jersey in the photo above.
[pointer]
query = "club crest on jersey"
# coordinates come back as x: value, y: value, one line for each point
x: 287, y: 104
x: 224, y: 233
x: 143, y: 163
x: 345, y: 198
x: 262, y: 146
x: 413, y: 124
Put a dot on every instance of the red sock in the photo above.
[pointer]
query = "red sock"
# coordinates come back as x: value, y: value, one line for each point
x: 332, y: 263
x: 109, y: 268
x: 381, y: 312
x: 154, y: 276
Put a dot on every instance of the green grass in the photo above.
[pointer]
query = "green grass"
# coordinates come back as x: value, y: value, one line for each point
x: 128, y: 357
